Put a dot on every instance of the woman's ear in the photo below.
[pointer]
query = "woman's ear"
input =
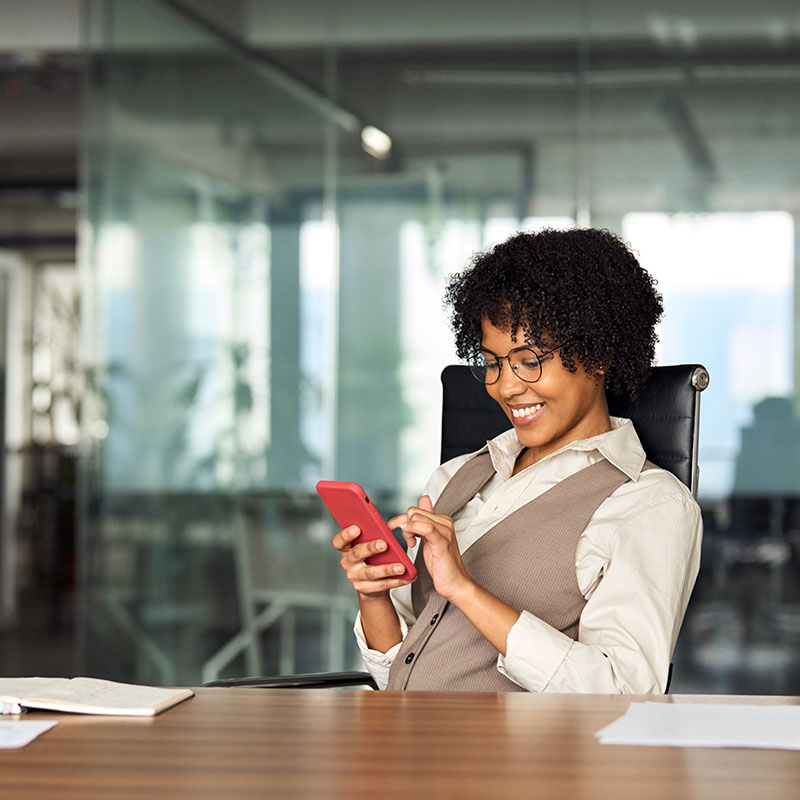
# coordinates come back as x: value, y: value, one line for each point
x: 599, y: 376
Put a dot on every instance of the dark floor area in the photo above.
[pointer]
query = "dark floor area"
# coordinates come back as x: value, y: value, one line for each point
x: 39, y: 642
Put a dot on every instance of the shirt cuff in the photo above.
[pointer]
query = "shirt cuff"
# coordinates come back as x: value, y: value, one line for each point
x: 378, y: 664
x: 534, y: 652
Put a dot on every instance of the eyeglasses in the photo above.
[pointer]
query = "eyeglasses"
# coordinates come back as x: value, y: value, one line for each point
x: 526, y: 364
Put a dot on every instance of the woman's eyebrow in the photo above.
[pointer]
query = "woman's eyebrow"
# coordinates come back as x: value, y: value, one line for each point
x: 527, y: 346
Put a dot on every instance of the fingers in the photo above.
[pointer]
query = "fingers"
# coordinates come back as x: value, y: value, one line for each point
x: 436, y: 529
x: 372, y: 579
x: 345, y: 542
x: 426, y: 507
x: 398, y: 522
x: 377, y: 572
x: 416, y: 511
x: 423, y: 528
x: 363, y: 550
x: 379, y: 586
x: 422, y: 522
x: 345, y: 537
x: 401, y: 520
x: 368, y: 579
x: 411, y: 539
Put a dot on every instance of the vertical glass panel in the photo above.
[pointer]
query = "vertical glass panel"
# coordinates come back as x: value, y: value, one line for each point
x: 705, y: 268
x: 205, y: 552
x: 679, y: 118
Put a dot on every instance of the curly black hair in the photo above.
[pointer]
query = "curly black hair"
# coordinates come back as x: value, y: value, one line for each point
x: 582, y: 289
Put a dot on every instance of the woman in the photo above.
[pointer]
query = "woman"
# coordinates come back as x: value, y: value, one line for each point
x: 555, y: 559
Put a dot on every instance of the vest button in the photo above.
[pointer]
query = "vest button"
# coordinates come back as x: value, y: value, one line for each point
x: 434, y: 618
x: 409, y: 658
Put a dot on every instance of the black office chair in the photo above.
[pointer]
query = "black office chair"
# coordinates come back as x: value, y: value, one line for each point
x: 665, y: 413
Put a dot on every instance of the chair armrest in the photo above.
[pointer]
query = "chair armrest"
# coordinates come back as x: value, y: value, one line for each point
x: 314, y: 680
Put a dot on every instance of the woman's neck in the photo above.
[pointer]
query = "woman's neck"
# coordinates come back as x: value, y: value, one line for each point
x: 529, y: 456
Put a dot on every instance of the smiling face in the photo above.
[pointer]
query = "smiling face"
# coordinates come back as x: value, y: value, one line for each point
x: 561, y: 407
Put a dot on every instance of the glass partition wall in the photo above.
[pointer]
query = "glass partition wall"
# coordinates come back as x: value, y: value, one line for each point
x: 206, y: 411
x: 262, y: 295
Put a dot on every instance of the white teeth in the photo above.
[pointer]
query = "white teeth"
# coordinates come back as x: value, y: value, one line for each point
x: 526, y: 412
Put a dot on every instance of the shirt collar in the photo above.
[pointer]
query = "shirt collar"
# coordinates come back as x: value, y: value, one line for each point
x: 620, y: 446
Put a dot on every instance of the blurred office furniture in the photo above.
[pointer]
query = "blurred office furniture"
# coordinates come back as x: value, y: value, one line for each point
x: 266, y: 553
x: 274, y: 584
x: 754, y: 554
x: 665, y: 413
x: 764, y: 526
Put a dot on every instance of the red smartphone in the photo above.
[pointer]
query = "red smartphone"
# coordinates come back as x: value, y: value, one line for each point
x: 349, y: 504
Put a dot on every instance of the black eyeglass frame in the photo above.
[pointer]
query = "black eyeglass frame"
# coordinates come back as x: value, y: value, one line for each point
x: 476, y: 370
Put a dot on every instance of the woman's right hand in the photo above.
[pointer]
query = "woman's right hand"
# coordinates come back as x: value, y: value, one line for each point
x: 367, y: 579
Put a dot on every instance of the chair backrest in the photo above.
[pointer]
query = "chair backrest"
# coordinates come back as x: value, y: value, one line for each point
x: 665, y: 413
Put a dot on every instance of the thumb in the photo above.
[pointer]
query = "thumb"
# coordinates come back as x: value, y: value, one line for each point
x: 425, y: 503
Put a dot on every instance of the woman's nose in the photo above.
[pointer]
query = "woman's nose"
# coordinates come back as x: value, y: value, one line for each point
x: 509, y: 383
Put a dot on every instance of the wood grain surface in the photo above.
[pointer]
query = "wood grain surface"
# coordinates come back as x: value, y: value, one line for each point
x: 358, y: 744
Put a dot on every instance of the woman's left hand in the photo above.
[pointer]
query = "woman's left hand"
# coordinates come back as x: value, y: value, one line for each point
x: 442, y: 557
x: 491, y: 616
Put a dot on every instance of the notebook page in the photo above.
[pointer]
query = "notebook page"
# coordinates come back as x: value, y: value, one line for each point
x: 92, y: 695
x: 12, y: 690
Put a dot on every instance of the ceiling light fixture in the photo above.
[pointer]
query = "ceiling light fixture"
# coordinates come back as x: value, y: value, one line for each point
x: 375, y: 142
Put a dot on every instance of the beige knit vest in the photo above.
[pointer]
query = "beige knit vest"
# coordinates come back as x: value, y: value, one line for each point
x: 527, y: 560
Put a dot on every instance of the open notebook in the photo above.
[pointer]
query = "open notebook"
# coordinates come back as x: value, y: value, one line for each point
x: 86, y: 696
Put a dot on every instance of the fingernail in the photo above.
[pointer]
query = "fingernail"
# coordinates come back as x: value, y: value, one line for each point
x: 380, y: 545
x: 398, y: 568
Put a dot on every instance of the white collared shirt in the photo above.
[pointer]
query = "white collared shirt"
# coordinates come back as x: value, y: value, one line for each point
x: 636, y: 563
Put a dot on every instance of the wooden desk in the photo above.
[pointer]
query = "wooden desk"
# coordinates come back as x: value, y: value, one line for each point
x: 353, y: 744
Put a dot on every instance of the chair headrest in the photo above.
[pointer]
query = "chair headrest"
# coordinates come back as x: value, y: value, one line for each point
x: 665, y: 414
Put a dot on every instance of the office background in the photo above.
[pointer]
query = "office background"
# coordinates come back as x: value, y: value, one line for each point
x: 224, y: 233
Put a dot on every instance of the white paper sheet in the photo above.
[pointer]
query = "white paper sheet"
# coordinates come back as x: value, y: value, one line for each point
x: 18, y: 733
x: 774, y: 727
